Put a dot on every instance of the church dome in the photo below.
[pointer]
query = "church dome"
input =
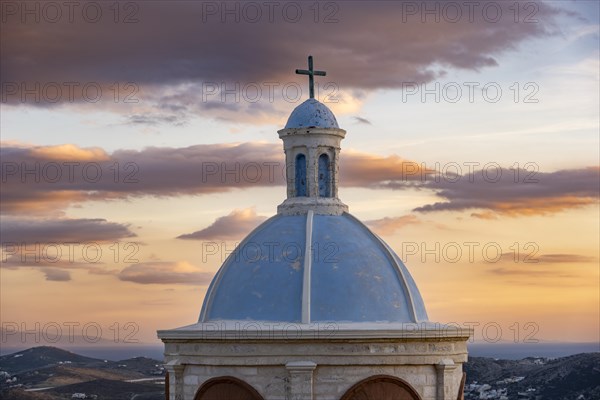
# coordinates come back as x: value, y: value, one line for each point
x: 313, y: 295
x: 310, y: 114
x: 313, y: 261
x: 311, y: 268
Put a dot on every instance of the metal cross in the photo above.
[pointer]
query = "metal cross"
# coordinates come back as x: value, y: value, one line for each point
x: 311, y: 73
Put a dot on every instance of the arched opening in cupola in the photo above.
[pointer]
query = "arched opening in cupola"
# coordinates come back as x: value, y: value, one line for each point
x: 324, y: 176
x: 300, y: 176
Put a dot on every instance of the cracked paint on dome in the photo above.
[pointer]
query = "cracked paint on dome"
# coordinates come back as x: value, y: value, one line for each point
x: 311, y: 114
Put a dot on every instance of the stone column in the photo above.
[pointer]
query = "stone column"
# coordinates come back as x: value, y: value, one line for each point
x: 335, y: 172
x: 290, y: 170
x: 300, y: 386
x: 175, y: 377
x: 445, y: 383
x: 312, y: 175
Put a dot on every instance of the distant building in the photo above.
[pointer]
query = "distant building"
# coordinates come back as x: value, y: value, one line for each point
x: 312, y: 305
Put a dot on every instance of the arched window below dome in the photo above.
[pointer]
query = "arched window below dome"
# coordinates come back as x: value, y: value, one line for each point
x: 324, y: 176
x: 227, y: 388
x: 381, y: 387
x: 300, y: 176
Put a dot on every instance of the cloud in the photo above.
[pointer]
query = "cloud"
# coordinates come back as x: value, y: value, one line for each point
x: 153, y: 119
x: 45, y: 180
x: 68, y: 151
x: 526, y: 268
x: 529, y: 256
x: 56, y: 247
x: 362, y: 120
x: 165, y: 273
x: 389, y: 225
x: 37, y: 230
x: 488, y: 215
x: 56, y: 262
x: 57, y: 275
x: 564, y: 258
x: 500, y: 194
x: 233, y: 226
x: 359, y: 169
x: 364, y: 46
x: 531, y: 272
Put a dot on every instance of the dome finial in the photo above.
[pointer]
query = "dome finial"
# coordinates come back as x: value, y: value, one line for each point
x: 311, y: 73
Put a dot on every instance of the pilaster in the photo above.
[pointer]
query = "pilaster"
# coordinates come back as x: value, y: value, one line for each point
x: 311, y: 174
x: 175, y: 377
x: 300, y: 386
x: 445, y: 384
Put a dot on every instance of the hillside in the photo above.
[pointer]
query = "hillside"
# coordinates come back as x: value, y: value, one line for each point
x: 112, y: 390
x: 40, y: 357
x: 58, y: 374
x: 575, y: 377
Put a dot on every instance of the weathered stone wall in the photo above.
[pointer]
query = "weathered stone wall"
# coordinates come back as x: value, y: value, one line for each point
x: 319, y: 370
x: 269, y: 381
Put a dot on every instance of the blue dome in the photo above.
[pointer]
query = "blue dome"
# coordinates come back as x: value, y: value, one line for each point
x: 311, y: 113
x: 350, y: 275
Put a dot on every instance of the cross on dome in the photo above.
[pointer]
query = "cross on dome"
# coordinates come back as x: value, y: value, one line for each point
x: 311, y: 73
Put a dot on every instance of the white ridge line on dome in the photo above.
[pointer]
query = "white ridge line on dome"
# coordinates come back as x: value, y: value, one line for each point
x: 402, y: 279
x: 307, y: 267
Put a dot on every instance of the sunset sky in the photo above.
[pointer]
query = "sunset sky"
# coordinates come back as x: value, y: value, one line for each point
x: 139, y: 145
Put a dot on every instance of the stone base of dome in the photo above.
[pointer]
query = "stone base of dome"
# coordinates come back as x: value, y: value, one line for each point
x: 272, y: 331
x: 308, y: 366
x: 320, y: 206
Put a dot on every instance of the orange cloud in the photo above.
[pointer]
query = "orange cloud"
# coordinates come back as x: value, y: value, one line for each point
x: 233, y: 226
x: 165, y: 273
x: 389, y: 225
x: 370, y: 170
x: 532, y: 258
x: 70, y: 152
x: 549, y: 205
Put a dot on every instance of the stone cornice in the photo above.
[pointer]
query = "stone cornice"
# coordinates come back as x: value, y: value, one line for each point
x: 265, y: 331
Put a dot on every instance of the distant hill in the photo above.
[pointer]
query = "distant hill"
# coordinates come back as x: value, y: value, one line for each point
x: 574, y: 377
x: 60, y: 374
x: 142, y: 365
x: 39, y: 357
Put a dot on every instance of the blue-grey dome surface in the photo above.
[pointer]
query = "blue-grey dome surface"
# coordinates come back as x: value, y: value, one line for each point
x: 311, y: 113
x: 351, y: 275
